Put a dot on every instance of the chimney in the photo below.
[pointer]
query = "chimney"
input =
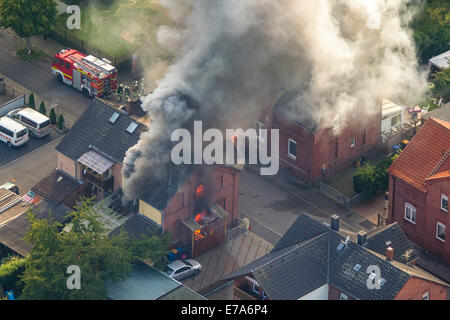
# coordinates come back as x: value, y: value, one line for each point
x: 362, y: 237
x: 335, y: 222
x: 389, y: 253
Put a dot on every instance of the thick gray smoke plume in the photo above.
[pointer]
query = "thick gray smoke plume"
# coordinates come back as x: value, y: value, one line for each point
x: 236, y: 56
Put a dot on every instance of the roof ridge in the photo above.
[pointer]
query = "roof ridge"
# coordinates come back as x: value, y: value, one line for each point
x: 293, y: 248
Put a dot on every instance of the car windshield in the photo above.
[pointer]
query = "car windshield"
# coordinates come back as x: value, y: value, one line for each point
x: 21, y: 133
x: 185, y: 262
x: 168, y: 271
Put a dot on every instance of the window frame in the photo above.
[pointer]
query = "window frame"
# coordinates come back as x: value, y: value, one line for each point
x: 437, y: 230
x: 426, y: 295
x: 444, y: 197
x: 411, y: 207
x: 343, y: 296
x: 352, y: 142
x: 292, y: 156
x: 254, y: 284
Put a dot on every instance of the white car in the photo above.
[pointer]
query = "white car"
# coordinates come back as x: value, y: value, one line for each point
x: 180, y: 269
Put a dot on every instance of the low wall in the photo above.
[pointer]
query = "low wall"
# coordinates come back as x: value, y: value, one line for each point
x: 11, y: 105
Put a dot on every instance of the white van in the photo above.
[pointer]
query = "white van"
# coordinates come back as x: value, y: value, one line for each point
x: 12, y: 133
x: 38, y: 124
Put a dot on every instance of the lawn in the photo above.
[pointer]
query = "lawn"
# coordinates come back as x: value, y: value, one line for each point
x: 98, y: 29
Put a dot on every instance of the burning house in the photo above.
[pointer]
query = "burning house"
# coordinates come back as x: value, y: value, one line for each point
x: 195, y: 204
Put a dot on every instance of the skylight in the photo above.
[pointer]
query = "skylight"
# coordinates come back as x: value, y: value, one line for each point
x: 132, y: 127
x: 357, y: 267
x: 114, y: 117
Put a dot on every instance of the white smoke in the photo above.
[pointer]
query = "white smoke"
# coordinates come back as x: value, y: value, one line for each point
x: 235, y: 56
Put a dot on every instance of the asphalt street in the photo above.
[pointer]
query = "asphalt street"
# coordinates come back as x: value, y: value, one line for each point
x: 37, y: 77
x: 8, y: 155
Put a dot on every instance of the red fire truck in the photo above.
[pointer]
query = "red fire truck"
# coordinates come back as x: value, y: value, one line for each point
x: 88, y: 74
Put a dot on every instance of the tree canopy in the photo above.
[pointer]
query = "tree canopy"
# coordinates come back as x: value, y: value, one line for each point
x: 28, y: 18
x: 432, y: 29
x: 442, y: 84
x: 100, y: 257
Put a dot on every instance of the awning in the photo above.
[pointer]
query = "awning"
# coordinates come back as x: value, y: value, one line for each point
x: 191, y: 224
x: 218, y: 211
x: 96, y: 162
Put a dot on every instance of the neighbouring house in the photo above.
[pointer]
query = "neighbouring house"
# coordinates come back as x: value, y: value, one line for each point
x: 441, y: 113
x: 440, y: 62
x: 58, y: 187
x: 419, y: 188
x: 13, y: 231
x: 94, y: 148
x: 148, y: 283
x: 196, y: 205
x: 313, y: 150
x: 313, y: 261
x: 392, y: 121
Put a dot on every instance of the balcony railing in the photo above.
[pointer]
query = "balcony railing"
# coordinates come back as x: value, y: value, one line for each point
x: 102, y: 182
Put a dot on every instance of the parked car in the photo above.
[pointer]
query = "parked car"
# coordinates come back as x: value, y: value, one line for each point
x: 11, y: 187
x: 181, y: 269
x: 38, y: 125
x: 12, y: 132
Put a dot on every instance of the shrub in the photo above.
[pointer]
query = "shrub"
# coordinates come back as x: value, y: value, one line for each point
x: 42, y: 108
x: 52, y: 116
x: 366, y: 180
x: 31, y: 102
x: 10, y: 271
x: 61, y: 122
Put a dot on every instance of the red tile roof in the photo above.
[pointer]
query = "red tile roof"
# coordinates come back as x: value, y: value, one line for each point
x: 427, y: 154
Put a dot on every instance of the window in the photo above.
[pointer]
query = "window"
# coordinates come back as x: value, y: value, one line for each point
x: 259, y: 126
x: 426, y: 296
x: 292, y: 149
x: 184, y: 269
x: 410, y: 212
x: 256, y: 288
x: 28, y: 122
x: 67, y: 65
x: 352, y: 142
x: 440, y: 231
x: 395, y: 120
x: 21, y: 133
x: 343, y: 296
x: 444, y: 202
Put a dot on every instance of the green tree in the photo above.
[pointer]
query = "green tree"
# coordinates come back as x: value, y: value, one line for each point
x: 366, y: 180
x: 31, y: 102
x: 42, y: 108
x: 61, y: 122
x: 102, y: 259
x: 432, y: 29
x: 442, y: 84
x: 10, y: 270
x: 52, y: 116
x: 28, y: 18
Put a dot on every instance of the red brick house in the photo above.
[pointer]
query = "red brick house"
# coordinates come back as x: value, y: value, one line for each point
x: 310, y: 149
x: 419, y: 188
x: 315, y: 262
x: 196, y: 205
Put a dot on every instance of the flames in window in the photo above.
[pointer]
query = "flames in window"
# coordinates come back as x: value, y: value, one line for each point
x: 200, y: 191
x: 198, y: 234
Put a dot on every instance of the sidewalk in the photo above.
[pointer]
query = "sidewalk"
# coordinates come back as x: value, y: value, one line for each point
x: 324, y: 206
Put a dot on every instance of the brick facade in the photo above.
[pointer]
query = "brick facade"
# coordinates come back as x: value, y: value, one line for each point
x: 428, y: 213
x: 325, y: 146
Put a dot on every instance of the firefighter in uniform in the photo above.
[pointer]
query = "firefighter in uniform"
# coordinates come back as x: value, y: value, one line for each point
x: 127, y: 92
x: 119, y: 92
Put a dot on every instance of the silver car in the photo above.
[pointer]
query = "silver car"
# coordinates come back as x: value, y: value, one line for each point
x: 181, y: 269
